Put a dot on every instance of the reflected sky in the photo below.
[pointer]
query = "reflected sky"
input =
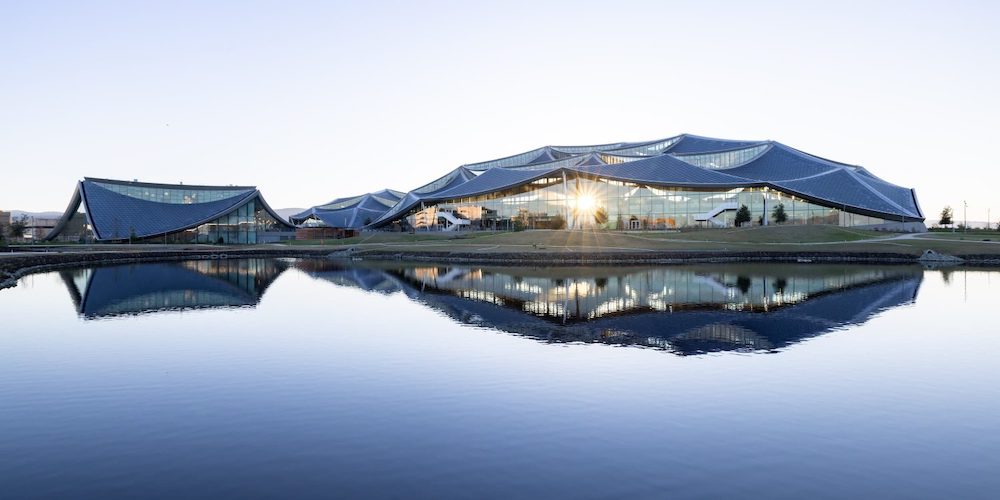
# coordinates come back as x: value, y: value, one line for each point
x: 468, y: 381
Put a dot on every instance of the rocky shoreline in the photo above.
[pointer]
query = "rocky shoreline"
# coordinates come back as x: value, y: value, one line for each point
x: 15, y: 266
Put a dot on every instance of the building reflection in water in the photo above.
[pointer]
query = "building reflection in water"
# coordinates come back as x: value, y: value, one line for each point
x: 684, y: 309
x: 170, y: 286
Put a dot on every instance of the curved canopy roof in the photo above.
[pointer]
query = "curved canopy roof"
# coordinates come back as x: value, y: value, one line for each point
x: 683, y: 161
x: 428, y: 191
x: 119, y: 210
x: 352, y: 212
x: 825, y: 181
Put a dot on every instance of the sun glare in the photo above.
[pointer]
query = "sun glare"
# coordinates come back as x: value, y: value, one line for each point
x: 585, y: 203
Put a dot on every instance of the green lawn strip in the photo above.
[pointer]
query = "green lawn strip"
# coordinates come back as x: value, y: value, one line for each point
x: 802, y: 239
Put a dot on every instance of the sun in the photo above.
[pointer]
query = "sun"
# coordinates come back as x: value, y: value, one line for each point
x: 585, y: 203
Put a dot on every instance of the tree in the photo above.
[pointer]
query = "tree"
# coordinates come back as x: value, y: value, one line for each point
x: 778, y: 214
x: 557, y: 222
x: 946, y: 217
x: 600, y: 216
x: 17, y: 227
x: 742, y: 215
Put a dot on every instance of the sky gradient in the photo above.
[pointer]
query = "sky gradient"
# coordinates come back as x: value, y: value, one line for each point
x: 312, y: 101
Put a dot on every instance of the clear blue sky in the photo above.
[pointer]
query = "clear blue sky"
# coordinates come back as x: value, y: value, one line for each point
x: 316, y: 100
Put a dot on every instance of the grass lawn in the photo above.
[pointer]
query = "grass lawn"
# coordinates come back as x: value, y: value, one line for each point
x: 802, y: 239
x: 773, y: 238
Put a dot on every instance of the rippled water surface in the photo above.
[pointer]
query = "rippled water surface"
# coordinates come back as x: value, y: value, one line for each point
x: 316, y: 378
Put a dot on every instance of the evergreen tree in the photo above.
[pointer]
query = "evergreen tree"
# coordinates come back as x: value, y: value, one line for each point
x: 742, y: 215
x: 778, y: 214
x: 946, y: 217
x: 17, y: 227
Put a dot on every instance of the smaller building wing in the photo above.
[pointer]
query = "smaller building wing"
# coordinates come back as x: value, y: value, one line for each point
x: 116, y: 216
x: 352, y: 212
x: 120, y: 210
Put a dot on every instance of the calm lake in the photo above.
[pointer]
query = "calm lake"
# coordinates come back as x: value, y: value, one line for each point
x: 283, y: 378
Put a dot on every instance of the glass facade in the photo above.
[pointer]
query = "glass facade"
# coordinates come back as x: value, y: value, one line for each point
x: 651, y: 149
x: 510, y: 161
x: 619, y: 149
x: 724, y: 159
x: 576, y: 150
x: 341, y: 204
x: 172, y: 194
x: 241, y: 226
x: 565, y: 162
x: 584, y: 202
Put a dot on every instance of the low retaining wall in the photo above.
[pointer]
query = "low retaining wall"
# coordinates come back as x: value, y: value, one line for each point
x: 633, y: 258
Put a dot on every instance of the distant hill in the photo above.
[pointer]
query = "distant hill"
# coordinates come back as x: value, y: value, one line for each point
x: 284, y: 212
x: 40, y: 215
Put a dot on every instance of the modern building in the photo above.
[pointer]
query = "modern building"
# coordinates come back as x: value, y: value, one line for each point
x: 35, y: 226
x: 170, y: 213
x: 681, y: 181
x: 38, y: 227
x: 344, y: 217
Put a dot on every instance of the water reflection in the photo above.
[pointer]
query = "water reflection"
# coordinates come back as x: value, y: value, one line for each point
x: 170, y: 286
x: 682, y: 309
x: 686, y: 310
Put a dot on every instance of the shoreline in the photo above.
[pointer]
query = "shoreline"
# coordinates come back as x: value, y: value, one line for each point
x: 14, y: 266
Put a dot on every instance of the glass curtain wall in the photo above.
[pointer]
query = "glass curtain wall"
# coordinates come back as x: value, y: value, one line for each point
x: 584, y: 203
x: 172, y: 194
x: 241, y: 226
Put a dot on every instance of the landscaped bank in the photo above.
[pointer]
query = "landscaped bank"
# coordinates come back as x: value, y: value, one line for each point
x: 14, y: 266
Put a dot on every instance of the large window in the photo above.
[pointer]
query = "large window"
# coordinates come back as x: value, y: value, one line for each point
x: 724, y: 159
x: 172, y: 194
x: 585, y: 202
x: 241, y: 226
